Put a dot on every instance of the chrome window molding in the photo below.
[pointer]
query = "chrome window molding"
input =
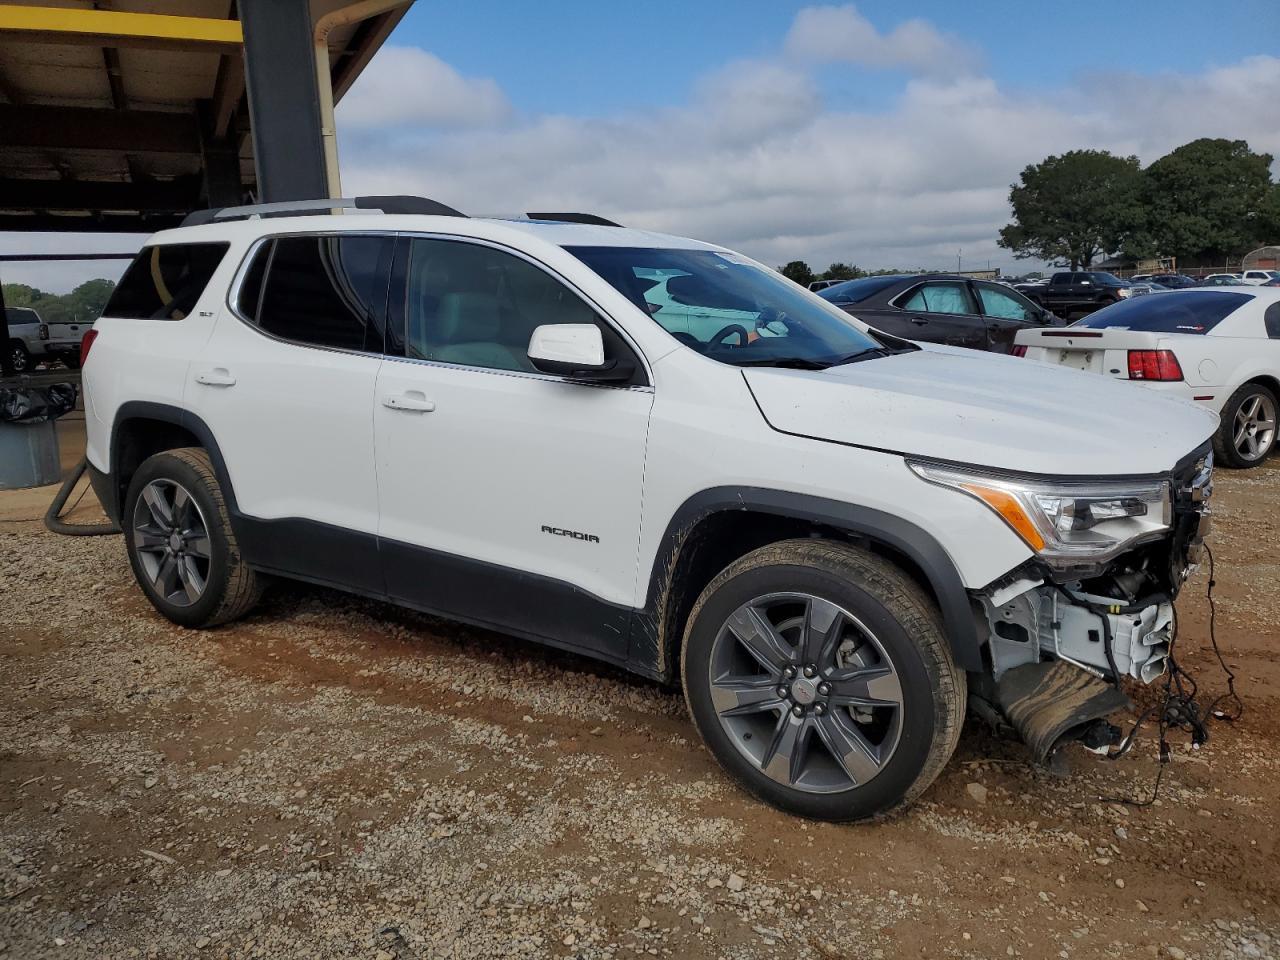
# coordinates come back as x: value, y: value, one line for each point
x: 929, y: 283
x: 233, y: 300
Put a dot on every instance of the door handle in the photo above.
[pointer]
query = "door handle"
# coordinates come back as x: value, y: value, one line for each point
x: 919, y: 321
x: 411, y: 400
x: 217, y: 377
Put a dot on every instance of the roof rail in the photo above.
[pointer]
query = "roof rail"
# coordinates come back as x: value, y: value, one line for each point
x: 590, y: 218
x: 291, y: 208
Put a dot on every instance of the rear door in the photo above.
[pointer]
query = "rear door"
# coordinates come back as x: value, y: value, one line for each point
x: 938, y: 311
x: 285, y: 383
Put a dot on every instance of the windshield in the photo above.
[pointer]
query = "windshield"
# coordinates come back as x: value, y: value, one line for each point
x: 730, y: 309
x: 855, y: 291
x: 1174, y: 312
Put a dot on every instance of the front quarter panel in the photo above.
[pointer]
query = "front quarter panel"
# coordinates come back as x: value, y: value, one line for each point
x: 707, y: 432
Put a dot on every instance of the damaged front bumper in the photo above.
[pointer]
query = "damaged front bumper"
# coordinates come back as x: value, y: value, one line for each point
x: 1030, y: 620
x: 1059, y: 641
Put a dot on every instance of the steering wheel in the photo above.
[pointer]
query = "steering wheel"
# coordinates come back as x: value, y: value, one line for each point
x: 728, y: 331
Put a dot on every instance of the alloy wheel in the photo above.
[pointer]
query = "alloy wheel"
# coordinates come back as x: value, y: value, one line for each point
x: 1255, y: 426
x: 18, y: 357
x: 172, y: 542
x: 806, y: 692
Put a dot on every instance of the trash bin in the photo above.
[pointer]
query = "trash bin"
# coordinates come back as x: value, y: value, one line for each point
x: 28, y: 433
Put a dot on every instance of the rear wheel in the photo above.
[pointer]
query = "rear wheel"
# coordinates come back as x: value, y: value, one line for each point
x: 180, y: 542
x: 1247, y: 433
x: 819, y: 677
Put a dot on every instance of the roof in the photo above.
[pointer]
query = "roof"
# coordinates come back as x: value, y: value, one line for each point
x: 105, y: 133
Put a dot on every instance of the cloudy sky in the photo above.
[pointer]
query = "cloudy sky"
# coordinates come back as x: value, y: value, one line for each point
x: 882, y: 134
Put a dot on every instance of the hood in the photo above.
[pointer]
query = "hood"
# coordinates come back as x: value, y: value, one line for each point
x: 987, y: 410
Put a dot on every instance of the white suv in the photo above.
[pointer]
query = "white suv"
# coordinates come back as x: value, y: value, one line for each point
x: 835, y: 539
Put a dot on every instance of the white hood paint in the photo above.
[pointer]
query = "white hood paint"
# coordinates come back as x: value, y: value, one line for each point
x: 985, y: 409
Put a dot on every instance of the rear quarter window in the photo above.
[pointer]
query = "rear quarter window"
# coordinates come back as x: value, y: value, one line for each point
x: 20, y: 315
x: 165, y: 281
x: 1194, y: 313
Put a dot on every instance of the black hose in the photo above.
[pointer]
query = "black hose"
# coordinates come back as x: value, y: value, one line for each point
x: 57, y: 525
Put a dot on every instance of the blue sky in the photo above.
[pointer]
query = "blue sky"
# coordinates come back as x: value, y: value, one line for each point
x: 880, y: 134
x: 587, y: 58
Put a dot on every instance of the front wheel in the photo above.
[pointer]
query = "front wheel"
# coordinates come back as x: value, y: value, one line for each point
x: 180, y: 543
x: 819, y: 677
x: 1247, y: 433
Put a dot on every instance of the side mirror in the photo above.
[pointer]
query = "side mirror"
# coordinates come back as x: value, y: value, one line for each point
x: 575, y: 351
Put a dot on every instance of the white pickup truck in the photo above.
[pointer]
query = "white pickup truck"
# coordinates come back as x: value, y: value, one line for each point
x: 32, y: 340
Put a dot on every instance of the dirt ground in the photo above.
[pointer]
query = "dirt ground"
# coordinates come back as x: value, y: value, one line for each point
x: 334, y: 777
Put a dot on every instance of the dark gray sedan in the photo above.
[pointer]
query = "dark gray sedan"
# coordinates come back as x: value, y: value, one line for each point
x: 941, y: 308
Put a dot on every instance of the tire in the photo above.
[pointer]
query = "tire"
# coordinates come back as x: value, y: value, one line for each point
x: 877, y: 619
x: 1247, y: 434
x: 19, y: 357
x: 206, y: 582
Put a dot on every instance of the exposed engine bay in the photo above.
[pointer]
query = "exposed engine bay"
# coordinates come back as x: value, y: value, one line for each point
x: 1061, y: 640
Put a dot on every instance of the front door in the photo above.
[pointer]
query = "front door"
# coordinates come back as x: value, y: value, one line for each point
x: 1006, y: 312
x: 509, y: 497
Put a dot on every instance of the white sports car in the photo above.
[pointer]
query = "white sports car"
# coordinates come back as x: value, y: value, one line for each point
x: 1218, y: 347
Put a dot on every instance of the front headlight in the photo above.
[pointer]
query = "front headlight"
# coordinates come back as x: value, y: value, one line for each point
x: 1066, y: 523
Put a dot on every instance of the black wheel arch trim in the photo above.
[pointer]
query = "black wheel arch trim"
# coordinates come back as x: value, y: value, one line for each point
x: 165, y: 413
x: 902, y: 536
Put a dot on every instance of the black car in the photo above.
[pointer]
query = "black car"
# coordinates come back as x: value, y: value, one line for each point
x: 1078, y: 292
x: 941, y: 308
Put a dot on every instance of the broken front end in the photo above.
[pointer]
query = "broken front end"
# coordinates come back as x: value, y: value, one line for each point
x: 1096, y: 603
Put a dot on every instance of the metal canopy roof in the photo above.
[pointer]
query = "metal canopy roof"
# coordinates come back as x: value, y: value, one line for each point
x: 107, y: 122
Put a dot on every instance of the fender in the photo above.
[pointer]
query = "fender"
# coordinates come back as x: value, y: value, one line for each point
x: 166, y: 413
x: 894, y: 532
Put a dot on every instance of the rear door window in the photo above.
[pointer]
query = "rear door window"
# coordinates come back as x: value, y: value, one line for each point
x: 323, y: 291
x: 165, y: 281
x: 943, y: 297
x: 1172, y: 312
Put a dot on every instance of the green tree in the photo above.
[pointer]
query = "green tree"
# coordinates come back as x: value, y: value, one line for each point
x: 842, y: 271
x: 1210, y: 198
x: 798, y: 271
x: 84, y: 303
x: 1077, y: 207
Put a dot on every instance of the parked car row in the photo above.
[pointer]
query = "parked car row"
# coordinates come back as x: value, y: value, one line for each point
x: 33, y: 341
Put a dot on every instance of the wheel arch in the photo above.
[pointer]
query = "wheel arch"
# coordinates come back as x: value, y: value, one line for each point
x: 142, y: 428
x: 713, y: 528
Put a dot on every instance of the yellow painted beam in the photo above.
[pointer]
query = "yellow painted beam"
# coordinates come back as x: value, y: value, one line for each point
x: 119, y: 29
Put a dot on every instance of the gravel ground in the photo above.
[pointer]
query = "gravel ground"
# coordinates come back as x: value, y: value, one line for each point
x: 338, y: 778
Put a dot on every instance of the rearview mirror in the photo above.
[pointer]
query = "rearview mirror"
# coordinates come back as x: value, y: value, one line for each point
x: 575, y: 351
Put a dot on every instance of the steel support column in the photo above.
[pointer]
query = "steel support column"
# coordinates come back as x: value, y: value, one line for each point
x: 6, y: 366
x: 284, y: 109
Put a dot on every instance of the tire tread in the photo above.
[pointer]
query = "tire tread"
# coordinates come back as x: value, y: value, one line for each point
x: 904, y: 598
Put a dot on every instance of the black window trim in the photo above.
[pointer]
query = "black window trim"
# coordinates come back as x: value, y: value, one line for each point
x: 242, y: 271
x: 939, y: 313
x: 603, y: 314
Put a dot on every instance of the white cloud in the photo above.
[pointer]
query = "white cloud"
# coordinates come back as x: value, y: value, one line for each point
x: 407, y: 85
x: 756, y: 161
x: 829, y: 34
